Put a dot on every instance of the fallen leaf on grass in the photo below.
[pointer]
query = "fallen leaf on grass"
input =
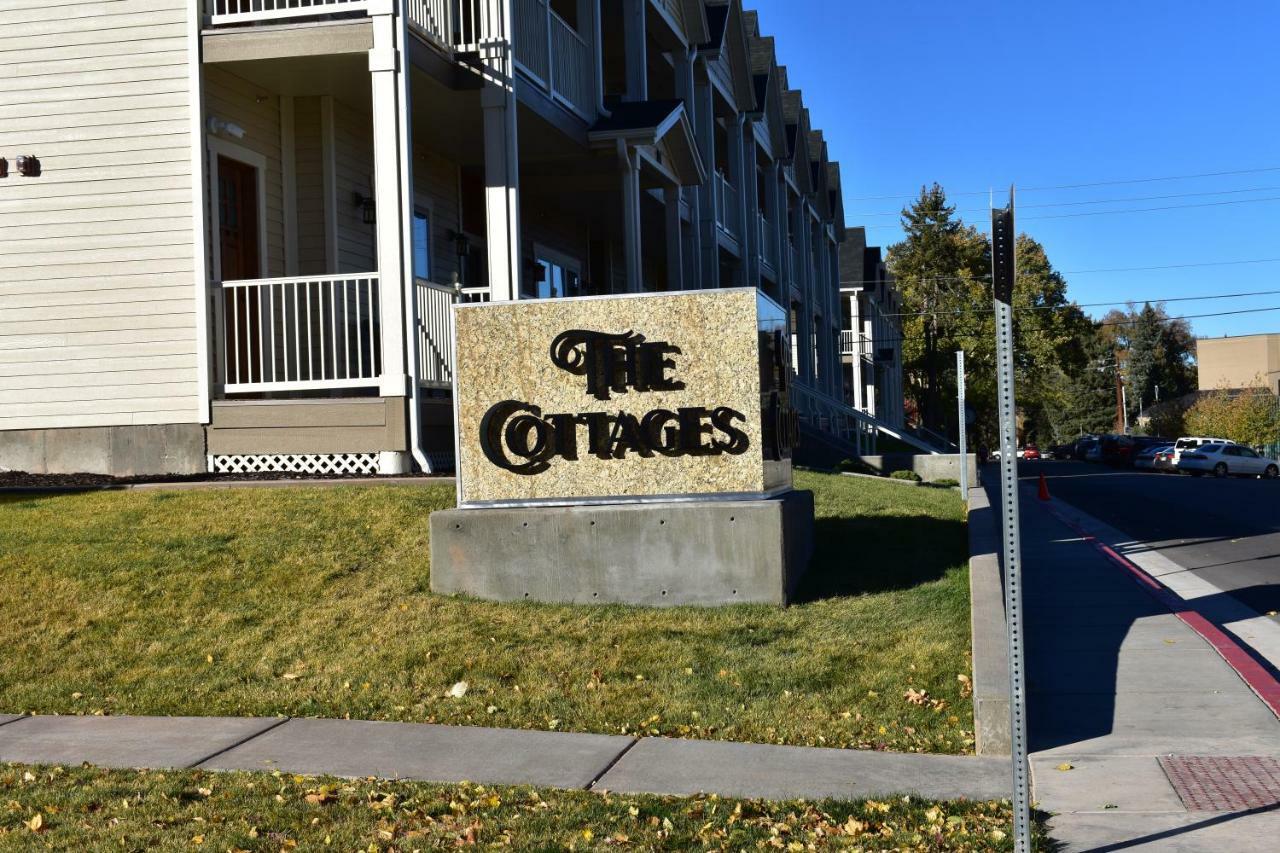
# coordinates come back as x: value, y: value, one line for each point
x: 36, y: 823
x: 291, y: 676
x: 916, y: 697
x: 458, y: 690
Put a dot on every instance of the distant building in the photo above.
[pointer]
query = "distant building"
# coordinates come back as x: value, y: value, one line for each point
x: 871, y: 336
x: 1232, y: 363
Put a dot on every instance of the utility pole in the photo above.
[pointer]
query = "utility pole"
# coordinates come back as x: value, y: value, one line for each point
x: 1003, y: 262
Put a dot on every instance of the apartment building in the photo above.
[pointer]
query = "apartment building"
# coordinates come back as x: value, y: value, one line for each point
x: 235, y: 228
x: 1240, y: 361
x: 871, y: 336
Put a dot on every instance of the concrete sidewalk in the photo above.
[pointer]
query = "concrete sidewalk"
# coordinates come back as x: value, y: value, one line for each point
x: 1116, y: 682
x: 354, y: 748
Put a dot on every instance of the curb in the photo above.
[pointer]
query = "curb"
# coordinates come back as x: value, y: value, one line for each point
x: 989, y: 637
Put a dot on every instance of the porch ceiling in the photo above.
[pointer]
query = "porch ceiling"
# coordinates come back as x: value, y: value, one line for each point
x: 344, y: 76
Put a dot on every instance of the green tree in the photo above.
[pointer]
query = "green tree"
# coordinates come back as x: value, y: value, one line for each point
x: 943, y: 270
x: 931, y: 267
x: 1091, y: 406
x: 1158, y: 352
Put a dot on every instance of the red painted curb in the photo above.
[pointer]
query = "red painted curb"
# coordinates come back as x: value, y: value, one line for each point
x: 1254, y: 674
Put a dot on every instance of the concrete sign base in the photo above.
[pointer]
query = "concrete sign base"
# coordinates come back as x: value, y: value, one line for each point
x: 705, y: 552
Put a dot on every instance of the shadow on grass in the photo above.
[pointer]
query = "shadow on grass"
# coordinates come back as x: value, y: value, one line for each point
x: 878, y: 553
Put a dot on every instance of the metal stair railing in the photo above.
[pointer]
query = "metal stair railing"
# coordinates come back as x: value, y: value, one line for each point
x: 834, y: 416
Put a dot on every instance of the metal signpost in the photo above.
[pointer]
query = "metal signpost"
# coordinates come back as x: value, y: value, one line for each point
x: 1003, y: 274
x: 964, y: 443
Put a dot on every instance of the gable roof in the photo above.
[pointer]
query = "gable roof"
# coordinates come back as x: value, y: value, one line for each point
x: 662, y: 124
x: 728, y: 42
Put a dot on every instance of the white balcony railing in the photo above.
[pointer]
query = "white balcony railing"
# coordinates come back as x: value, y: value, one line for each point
x: 435, y: 333
x: 434, y: 19
x: 768, y: 241
x: 252, y: 11
x: 727, y: 205
x: 549, y: 51
x: 555, y: 56
x: 854, y: 343
x: 298, y: 334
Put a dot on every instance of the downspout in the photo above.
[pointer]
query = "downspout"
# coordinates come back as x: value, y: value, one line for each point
x: 411, y: 340
x: 599, y: 57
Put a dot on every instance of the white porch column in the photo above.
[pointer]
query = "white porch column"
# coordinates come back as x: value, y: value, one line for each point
x: 855, y: 369
x: 773, y: 210
x: 501, y: 152
x: 393, y: 208
x: 751, y: 204
x: 675, y: 239
x: 686, y: 91
x: 704, y: 129
x: 636, y: 39
x: 631, y: 226
x: 738, y: 221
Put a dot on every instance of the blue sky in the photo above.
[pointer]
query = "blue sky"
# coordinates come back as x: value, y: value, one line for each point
x: 977, y: 96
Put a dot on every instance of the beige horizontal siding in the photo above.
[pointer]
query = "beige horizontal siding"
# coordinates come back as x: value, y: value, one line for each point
x: 357, y: 244
x: 97, y: 285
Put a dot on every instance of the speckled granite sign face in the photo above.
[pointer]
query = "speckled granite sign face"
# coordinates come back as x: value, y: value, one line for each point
x: 651, y: 396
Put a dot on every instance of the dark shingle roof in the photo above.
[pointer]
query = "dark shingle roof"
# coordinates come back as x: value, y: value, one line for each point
x: 637, y: 115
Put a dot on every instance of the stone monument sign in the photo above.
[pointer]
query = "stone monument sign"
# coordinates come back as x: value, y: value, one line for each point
x: 601, y: 439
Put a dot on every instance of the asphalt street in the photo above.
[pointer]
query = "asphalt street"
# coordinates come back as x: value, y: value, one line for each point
x: 1224, y: 531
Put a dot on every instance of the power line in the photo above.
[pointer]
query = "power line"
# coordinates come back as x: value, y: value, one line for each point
x: 1089, y: 184
x: 1095, y: 201
x: 1175, y: 266
x: 1108, y: 323
x: 1151, y: 209
x: 1089, y: 304
x: 1151, y: 180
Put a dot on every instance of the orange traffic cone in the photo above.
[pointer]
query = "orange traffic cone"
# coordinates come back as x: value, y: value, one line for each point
x: 1044, y: 489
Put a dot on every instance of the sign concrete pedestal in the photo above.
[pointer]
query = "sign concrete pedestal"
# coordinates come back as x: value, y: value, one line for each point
x: 709, y: 553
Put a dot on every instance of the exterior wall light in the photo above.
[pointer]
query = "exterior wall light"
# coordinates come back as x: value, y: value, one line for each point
x: 28, y: 166
x: 368, y: 208
x: 220, y: 125
x: 4, y: 168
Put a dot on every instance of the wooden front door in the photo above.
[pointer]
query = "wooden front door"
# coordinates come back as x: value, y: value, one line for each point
x: 238, y: 220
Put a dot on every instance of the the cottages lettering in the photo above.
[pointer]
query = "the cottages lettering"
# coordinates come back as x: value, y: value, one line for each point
x: 519, y: 437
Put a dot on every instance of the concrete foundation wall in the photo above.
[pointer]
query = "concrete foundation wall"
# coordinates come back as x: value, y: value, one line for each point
x: 118, y: 451
x: 931, y: 468
x: 661, y: 555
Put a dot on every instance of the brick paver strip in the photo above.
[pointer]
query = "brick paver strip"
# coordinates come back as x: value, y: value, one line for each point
x: 1224, y: 783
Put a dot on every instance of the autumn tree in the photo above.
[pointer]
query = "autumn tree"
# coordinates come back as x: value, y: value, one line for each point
x: 1251, y: 418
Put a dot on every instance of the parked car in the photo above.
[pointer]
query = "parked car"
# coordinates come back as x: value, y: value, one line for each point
x: 1147, y: 458
x: 1165, y: 462
x: 1227, y: 460
x: 1031, y: 453
x: 1191, y: 443
x: 1091, y: 451
x: 1117, y: 450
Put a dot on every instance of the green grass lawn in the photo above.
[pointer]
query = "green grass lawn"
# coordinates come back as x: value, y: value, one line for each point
x: 315, y: 602
x: 89, y: 809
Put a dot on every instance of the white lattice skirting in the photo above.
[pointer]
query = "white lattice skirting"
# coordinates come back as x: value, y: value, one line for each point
x: 321, y: 463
